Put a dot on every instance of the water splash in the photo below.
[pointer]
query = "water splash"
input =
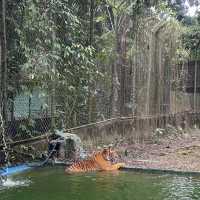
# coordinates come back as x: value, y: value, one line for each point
x: 9, y: 183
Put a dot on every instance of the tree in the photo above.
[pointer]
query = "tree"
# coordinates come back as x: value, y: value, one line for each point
x: 181, y: 8
x: 57, y: 53
x: 191, y: 40
x: 121, y: 20
x: 3, y: 42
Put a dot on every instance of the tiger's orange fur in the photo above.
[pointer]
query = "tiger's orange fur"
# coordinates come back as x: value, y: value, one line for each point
x: 100, y: 161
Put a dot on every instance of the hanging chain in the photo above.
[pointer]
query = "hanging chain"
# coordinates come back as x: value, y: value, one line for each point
x: 2, y: 132
x: 5, y: 147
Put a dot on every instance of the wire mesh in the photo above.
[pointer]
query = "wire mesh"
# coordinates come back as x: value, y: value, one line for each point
x: 157, y: 90
x: 30, y: 113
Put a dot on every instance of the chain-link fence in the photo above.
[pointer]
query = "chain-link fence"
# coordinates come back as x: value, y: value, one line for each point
x: 149, y: 81
x: 149, y: 85
x: 35, y: 111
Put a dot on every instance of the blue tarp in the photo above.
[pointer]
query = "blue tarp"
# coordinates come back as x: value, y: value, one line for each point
x: 13, y: 170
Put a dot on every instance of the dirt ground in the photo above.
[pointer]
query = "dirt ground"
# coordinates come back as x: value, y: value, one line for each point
x: 180, y: 152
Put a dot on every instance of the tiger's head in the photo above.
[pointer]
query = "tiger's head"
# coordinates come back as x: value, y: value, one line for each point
x: 109, y: 154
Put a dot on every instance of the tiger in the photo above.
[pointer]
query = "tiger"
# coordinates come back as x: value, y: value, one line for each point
x: 100, y: 161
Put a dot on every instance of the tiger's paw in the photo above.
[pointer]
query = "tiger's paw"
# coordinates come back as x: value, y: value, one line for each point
x: 120, y: 165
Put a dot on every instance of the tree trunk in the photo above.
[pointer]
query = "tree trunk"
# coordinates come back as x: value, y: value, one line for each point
x: 120, y: 71
x: 91, y: 22
x: 0, y: 71
x: 3, y: 60
x: 115, y: 91
x: 122, y: 76
x: 122, y: 49
x: 12, y: 117
x: 91, y: 97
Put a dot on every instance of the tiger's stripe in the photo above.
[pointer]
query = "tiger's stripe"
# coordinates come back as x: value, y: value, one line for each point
x: 97, y: 162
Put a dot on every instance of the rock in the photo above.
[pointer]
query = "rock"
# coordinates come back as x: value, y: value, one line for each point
x: 171, y: 130
x: 71, y: 145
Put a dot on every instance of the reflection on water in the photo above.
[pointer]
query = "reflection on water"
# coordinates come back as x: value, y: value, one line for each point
x: 182, y: 188
x: 54, y: 184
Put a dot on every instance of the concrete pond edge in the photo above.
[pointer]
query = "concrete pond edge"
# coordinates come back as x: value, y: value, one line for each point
x: 160, y: 171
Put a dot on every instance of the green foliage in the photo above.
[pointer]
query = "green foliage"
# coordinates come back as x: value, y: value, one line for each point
x: 26, y: 129
x: 14, y: 50
x: 192, y: 41
x: 48, y: 30
x: 191, y: 37
x: 48, y: 41
x: 51, y: 48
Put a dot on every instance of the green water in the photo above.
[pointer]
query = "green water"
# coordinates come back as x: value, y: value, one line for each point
x: 54, y: 184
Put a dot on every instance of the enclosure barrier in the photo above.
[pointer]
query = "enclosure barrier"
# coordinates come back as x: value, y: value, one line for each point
x: 120, y: 126
x: 103, y: 132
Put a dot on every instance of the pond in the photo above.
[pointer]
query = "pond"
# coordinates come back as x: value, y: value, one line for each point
x: 54, y: 184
